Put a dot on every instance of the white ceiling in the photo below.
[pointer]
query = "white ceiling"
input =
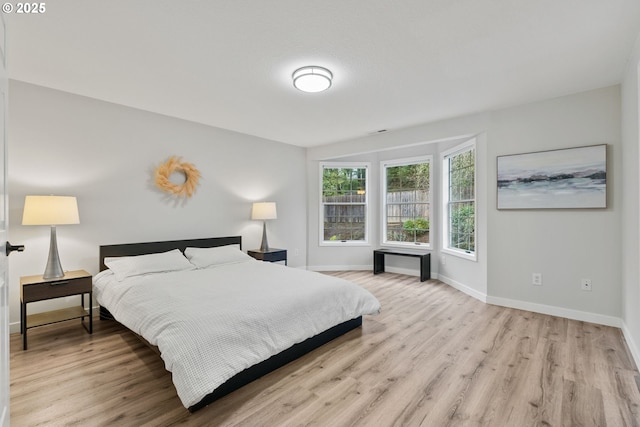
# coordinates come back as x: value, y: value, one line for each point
x: 228, y: 63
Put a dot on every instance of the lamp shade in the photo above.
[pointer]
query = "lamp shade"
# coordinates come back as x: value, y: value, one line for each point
x: 264, y: 210
x: 50, y: 210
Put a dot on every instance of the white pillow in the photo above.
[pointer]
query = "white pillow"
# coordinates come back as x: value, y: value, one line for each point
x: 128, y: 266
x: 210, y: 257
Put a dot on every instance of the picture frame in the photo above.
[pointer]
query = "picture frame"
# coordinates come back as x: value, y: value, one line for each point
x: 567, y: 178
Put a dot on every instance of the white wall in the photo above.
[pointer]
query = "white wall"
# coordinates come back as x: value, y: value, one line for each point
x: 563, y: 245
x: 630, y: 202
x: 105, y: 155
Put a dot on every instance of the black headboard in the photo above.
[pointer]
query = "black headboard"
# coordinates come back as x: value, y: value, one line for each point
x: 131, y: 249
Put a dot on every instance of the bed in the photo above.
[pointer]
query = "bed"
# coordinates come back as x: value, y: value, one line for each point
x: 219, y: 318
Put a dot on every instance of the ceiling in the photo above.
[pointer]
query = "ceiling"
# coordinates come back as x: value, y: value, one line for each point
x: 228, y: 63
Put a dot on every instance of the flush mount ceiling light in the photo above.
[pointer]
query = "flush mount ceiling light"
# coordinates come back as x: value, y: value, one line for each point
x: 312, y: 79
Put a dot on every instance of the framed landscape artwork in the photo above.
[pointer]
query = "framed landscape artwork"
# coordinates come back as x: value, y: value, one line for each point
x: 571, y: 178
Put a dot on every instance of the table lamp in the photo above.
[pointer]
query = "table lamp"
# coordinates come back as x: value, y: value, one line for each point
x: 51, y: 210
x: 264, y: 211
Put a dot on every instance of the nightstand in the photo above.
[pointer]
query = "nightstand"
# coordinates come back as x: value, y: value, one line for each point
x: 35, y: 288
x: 272, y: 255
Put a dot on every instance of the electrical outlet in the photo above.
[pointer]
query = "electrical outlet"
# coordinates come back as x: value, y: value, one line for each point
x: 443, y: 260
x: 585, y: 284
x: 536, y: 279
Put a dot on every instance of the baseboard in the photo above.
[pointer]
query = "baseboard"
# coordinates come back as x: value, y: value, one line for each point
x: 14, y: 327
x: 463, y: 288
x: 631, y: 344
x: 568, y: 313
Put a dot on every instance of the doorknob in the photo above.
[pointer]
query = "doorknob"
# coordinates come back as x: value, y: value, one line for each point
x: 10, y: 248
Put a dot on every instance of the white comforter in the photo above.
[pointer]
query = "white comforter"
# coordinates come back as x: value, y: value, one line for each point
x: 210, y: 324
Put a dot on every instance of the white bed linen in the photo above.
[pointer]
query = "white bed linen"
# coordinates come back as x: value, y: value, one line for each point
x: 209, y: 324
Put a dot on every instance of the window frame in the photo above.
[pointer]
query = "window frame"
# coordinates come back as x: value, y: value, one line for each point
x: 367, y: 216
x: 383, y: 201
x: 446, y: 155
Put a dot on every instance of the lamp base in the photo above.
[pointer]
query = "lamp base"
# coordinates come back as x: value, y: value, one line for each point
x: 53, y: 270
x: 264, y: 246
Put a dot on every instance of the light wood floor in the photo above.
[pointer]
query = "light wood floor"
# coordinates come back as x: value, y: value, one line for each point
x: 433, y: 357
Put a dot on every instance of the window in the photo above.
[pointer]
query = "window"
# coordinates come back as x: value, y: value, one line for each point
x: 343, y: 205
x: 406, y: 202
x: 459, y: 205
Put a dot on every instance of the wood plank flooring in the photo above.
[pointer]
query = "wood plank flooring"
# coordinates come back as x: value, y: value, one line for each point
x: 433, y: 357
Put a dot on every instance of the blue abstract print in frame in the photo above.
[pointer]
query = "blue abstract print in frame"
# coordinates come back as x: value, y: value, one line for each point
x: 572, y: 178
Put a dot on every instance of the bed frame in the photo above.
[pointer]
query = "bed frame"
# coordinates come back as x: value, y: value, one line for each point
x: 254, y: 372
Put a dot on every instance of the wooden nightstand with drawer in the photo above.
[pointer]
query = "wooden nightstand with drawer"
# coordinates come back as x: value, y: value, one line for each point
x: 35, y: 288
x: 270, y: 255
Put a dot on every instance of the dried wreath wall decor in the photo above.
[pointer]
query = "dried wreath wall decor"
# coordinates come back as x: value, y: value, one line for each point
x: 172, y: 165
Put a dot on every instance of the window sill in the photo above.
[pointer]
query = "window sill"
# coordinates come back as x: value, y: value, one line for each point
x: 471, y: 256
